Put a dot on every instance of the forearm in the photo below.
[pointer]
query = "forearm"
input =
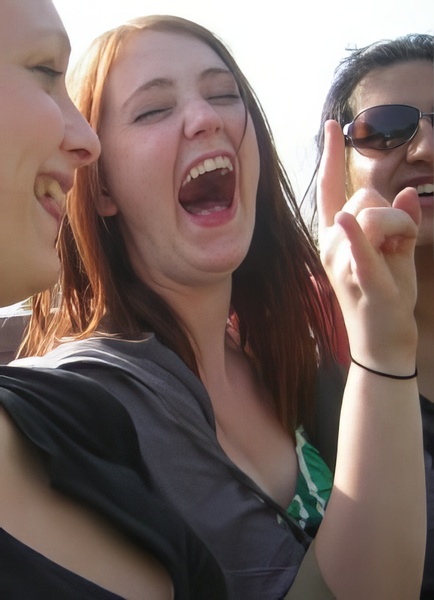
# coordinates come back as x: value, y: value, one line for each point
x: 371, y: 543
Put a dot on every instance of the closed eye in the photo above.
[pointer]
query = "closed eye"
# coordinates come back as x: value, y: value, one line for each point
x: 48, y: 77
x: 152, y: 115
x: 224, y: 98
x: 47, y: 71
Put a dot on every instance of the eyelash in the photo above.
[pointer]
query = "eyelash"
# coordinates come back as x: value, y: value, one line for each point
x: 47, y: 71
x: 231, y: 96
x: 158, y: 111
x: 225, y: 97
x: 150, y: 114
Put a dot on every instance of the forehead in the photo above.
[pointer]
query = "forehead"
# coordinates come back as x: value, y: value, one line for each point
x: 409, y: 82
x: 24, y: 23
x: 149, y: 54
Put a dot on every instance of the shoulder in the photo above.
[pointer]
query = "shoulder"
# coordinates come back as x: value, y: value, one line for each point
x: 56, y: 406
x: 105, y: 358
x: 109, y: 350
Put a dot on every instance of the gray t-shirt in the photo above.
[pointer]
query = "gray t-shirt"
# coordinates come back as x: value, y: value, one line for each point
x: 258, y: 545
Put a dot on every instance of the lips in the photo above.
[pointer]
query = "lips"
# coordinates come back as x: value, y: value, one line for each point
x: 209, y: 187
x: 50, y: 195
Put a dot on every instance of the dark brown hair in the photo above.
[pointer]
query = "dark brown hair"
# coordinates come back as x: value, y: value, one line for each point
x: 352, y: 69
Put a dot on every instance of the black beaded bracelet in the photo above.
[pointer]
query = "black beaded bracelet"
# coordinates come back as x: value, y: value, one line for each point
x: 384, y: 374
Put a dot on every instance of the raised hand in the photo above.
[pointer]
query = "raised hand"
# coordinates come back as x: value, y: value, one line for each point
x: 367, y: 248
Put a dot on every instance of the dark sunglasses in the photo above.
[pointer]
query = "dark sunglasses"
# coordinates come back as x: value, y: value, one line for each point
x: 384, y: 127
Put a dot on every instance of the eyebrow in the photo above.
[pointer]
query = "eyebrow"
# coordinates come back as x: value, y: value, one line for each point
x: 166, y: 83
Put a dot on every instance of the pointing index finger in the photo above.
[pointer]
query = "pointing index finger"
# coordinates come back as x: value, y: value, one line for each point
x: 331, y: 176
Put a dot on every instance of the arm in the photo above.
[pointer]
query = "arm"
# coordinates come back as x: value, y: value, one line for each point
x: 371, y: 542
x: 65, y: 531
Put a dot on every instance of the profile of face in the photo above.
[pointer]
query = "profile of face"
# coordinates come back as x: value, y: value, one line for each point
x: 411, y: 164
x: 180, y: 159
x: 43, y: 139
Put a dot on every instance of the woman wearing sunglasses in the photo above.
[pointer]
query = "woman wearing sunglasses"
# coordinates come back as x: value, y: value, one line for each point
x: 383, y: 98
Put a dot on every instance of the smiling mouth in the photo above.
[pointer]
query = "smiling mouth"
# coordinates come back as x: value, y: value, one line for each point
x: 50, y: 195
x: 425, y: 189
x: 209, y: 187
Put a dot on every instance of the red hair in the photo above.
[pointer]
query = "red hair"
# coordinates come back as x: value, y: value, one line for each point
x: 282, y: 303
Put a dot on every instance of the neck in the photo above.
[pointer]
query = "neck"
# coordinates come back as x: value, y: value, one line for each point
x: 204, y: 312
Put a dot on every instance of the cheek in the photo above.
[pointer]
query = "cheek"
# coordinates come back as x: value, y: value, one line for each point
x: 379, y: 171
x: 249, y: 156
x: 52, y: 126
x: 27, y: 242
x: 28, y: 112
x: 132, y: 164
x: 32, y: 136
x: 13, y: 210
x: 360, y: 173
x: 139, y: 184
x: 44, y: 117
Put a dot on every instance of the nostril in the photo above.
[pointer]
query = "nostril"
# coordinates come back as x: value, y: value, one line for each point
x: 84, y: 156
x: 88, y: 154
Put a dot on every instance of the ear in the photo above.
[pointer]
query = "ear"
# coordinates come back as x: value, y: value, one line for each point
x: 105, y: 205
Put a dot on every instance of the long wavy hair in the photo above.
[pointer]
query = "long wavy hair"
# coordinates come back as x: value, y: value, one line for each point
x: 339, y: 102
x: 281, y: 305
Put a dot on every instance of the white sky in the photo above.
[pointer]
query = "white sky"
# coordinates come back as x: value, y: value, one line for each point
x: 288, y: 50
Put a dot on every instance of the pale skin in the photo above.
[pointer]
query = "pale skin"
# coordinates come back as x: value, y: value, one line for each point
x: 368, y: 255
x: 65, y: 531
x: 47, y: 139
x: 369, y: 261
x: 43, y: 141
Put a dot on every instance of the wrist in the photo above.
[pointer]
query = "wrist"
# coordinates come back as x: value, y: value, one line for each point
x: 412, y: 375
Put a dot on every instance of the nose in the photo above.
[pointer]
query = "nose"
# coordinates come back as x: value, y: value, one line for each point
x: 421, y: 147
x: 79, y: 140
x: 201, y: 118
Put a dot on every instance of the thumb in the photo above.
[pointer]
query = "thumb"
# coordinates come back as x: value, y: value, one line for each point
x: 408, y: 201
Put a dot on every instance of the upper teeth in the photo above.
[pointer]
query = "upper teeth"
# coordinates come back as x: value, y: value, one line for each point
x: 208, y: 165
x: 425, y: 188
x: 47, y: 186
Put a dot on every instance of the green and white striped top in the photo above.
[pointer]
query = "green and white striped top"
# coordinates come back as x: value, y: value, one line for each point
x: 314, y: 484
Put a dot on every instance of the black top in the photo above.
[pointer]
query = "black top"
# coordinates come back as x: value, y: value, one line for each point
x: 24, y: 573
x: 92, y: 454
x: 428, y: 442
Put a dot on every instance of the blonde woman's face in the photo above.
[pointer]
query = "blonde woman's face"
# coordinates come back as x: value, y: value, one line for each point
x: 43, y: 140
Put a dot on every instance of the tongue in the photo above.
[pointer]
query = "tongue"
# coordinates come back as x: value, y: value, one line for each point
x: 209, y: 192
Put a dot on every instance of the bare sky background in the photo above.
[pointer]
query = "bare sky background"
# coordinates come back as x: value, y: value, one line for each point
x: 288, y: 50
